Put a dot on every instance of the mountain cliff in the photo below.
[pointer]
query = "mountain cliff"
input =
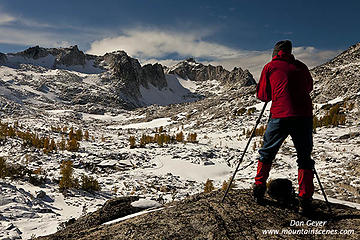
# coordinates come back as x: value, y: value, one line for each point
x: 128, y: 75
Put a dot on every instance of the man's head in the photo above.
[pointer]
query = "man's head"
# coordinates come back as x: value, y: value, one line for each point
x: 284, y: 45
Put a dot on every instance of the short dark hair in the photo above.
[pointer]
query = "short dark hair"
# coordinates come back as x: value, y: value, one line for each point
x: 284, y: 45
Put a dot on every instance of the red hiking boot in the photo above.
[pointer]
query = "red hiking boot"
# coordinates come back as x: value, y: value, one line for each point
x: 262, y: 175
x: 306, y: 191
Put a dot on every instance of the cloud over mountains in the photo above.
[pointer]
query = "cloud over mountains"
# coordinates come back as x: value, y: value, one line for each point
x: 168, y: 47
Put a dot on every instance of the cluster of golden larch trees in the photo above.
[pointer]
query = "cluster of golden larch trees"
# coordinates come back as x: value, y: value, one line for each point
x: 161, y: 137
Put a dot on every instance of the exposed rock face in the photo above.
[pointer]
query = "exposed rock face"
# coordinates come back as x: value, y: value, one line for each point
x: 2, y: 58
x: 112, y: 209
x: 70, y: 57
x: 338, y: 77
x: 130, y: 70
x: 125, y: 72
x: 154, y: 74
x: 35, y: 52
x: 129, y: 75
x: 203, y: 216
x: 192, y: 70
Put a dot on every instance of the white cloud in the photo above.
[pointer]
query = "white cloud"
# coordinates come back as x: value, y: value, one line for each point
x: 21, y: 31
x: 31, y: 38
x: 157, y: 43
x: 149, y: 45
x: 312, y: 56
x: 6, y: 18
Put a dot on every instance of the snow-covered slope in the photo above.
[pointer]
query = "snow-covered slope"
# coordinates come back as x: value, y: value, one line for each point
x: 174, y: 92
x: 36, y: 87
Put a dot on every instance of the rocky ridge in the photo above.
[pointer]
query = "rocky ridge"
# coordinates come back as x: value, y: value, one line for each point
x: 338, y: 77
x: 190, y: 69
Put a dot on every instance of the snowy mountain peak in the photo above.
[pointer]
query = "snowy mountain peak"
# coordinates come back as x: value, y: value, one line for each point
x: 67, y: 56
x: 116, y: 59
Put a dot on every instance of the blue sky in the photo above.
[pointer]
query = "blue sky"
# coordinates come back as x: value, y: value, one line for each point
x: 230, y: 33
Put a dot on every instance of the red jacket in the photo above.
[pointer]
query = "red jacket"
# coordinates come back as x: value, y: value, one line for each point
x: 287, y: 83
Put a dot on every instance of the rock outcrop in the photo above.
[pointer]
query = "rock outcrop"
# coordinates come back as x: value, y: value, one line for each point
x: 35, y: 52
x: 194, y: 71
x: 128, y: 75
x: 203, y: 216
x: 2, y: 58
x: 153, y: 74
x: 70, y: 57
x: 338, y: 77
x: 131, y: 72
x: 112, y: 209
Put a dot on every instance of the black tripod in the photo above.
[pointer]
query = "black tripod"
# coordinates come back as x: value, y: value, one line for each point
x: 242, y: 156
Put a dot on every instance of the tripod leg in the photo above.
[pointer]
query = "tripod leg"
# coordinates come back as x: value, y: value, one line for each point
x: 322, y: 190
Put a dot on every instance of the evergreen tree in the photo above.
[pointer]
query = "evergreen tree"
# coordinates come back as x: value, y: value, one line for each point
x: 86, y: 135
x: 132, y: 141
x: 209, y: 186
x: 89, y: 183
x: 3, y: 168
x: 66, y: 173
x: 142, y: 141
x: 62, y: 144
x: 72, y: 145
x: 226, y: 183
x: 71, y: 133
x: 79, y: 135
x: 180, y: 137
